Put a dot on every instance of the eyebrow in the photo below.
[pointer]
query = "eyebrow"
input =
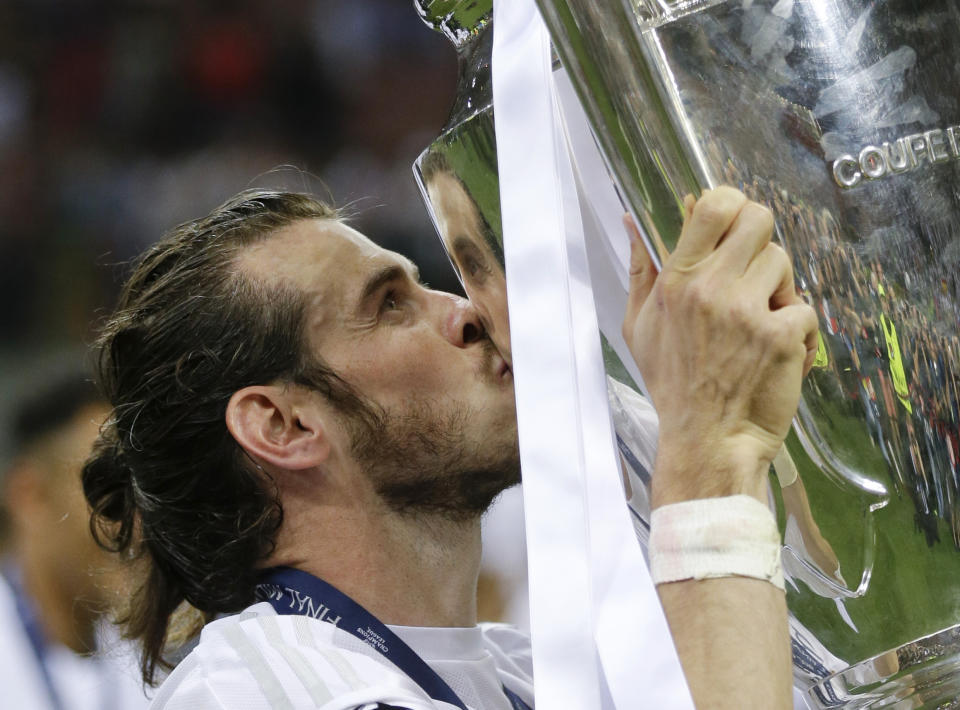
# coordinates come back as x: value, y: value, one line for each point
x: 390, y: 272
x: 462, y: 244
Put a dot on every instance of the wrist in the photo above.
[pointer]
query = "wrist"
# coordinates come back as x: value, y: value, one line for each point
x: 692, y: 470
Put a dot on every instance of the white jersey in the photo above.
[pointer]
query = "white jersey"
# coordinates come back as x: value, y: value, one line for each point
x: 56, y: 678
x: 259, y: 660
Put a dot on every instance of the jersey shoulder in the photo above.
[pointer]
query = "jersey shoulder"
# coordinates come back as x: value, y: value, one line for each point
x: 511, y: 650
x: 258, y: 660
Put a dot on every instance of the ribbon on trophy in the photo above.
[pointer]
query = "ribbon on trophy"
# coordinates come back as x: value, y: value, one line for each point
x: 599, y: 636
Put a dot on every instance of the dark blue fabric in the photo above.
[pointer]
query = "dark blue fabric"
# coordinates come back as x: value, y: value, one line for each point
x: 515, y: 699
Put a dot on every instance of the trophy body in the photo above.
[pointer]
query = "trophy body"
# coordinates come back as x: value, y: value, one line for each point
x: 844, y: 118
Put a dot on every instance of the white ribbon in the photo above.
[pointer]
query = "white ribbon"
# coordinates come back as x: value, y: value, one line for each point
x: 590, y: 593
x: 566, y: 671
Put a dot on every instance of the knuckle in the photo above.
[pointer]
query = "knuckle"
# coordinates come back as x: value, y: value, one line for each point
x: 699, y: 292
x: 781, y: 337
x: 778, y: 255
x: 719, y: 206
x: 678, y: 294
x: 671, y: 285
x: 700, y: 296
x: 759, y: 218
x: 729, y: 194
x: 779, y: 260
x: 710, y: 210
x: 742, y: 313
x: 764, y: 216
x: 787, y: 336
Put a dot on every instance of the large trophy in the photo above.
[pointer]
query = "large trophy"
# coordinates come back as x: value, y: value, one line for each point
x: 844, y: 118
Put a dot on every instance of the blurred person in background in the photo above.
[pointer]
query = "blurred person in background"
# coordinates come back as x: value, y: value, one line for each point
x: 57, y: 651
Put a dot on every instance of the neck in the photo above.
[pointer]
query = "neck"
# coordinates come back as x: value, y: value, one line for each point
x: 406, y: 570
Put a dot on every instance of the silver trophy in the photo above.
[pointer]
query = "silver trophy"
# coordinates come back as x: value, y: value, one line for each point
x: 844, y: 118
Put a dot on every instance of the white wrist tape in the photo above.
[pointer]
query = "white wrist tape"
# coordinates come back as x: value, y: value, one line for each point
x: 715, y: 537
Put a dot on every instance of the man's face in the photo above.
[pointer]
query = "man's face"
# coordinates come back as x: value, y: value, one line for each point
x: 460, y: 226
x: 446, y: 438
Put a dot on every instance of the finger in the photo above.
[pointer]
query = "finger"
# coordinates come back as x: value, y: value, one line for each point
x: 772, y: 274
x: 803, y: 320
x: 708, y: 221
x: 643, y: 273
x: 748, y: 235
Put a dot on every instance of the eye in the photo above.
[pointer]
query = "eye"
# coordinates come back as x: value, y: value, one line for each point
x: 392, y: 302
x: 476, y: 269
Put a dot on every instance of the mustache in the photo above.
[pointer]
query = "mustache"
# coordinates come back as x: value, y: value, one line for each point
x: 489, y: 354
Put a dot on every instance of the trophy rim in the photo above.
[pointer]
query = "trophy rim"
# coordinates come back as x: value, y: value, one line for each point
x: 921, y: 663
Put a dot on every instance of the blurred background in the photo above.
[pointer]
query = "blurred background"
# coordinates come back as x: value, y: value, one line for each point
x: 122, y: 118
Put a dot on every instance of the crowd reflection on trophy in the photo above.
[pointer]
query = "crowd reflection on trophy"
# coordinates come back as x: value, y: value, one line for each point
x: 844, y: 119
x: 888, y: 350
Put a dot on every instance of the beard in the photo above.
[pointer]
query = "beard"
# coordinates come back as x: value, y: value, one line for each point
x: 424, y: 460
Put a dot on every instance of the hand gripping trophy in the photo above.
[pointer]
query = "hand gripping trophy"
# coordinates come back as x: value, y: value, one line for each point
x: 843, y: 117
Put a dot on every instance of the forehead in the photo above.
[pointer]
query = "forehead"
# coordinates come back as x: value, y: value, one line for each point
x: 295, y: 252
x: 456, y: 211
x: 323, y: 258
x: 450, y: 197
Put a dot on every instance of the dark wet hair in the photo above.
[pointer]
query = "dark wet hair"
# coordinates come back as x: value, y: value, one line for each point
x: 167, y: 483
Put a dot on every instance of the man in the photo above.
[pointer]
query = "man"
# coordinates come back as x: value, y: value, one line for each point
x: 297, y: 419
x: 55, y: 583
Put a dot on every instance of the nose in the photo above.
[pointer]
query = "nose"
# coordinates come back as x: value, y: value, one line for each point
x: 462, y: 325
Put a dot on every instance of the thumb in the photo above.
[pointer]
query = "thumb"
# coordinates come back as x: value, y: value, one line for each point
x: 643, y: 272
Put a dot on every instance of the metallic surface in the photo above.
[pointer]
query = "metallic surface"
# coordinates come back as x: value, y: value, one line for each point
x: 457, y: 173
x: 844, y: 118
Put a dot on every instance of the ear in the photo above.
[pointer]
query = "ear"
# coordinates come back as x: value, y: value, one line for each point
x: 278, y: 425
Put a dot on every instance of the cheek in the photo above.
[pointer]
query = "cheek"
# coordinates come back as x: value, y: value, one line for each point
x: 409, y: 365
